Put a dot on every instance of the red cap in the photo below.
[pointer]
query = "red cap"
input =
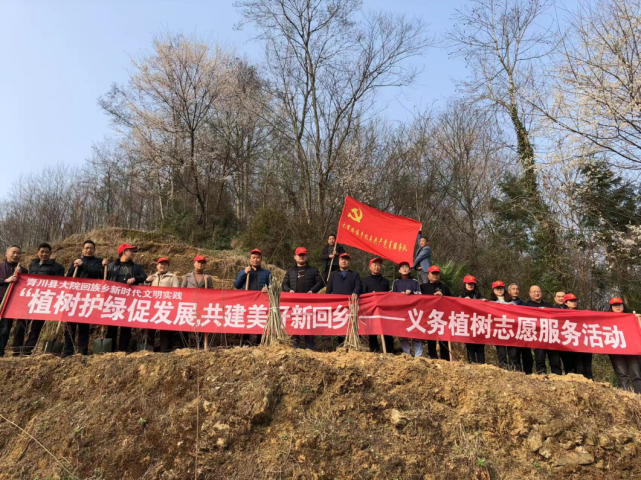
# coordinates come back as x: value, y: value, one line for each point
x: 569, y: 296
x: 403, y: 263
x: 469, y: 279
x: 163, y: 259
x: 434, y: 269
x: 256, y: 251
x: 300, y: 251
x: 376, y: 259
x: 344, y: 255
x: 497, y: 284
x: 616, y: 301
x: 200, y: 258
x: 126, y: 246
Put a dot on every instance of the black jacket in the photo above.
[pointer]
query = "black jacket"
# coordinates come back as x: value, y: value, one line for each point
x: 327, y: 251
x: 313, y: 279
x: 50, y: 267
x: 6, y: 271
x: 375, y: 283
x: 91, y: 268
x: 541, y: 304
x: 122, y: 271
x: 430, y: 288
x: 344, y: 286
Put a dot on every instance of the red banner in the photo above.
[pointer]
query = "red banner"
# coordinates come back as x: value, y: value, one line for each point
x: 100, y: 302
x: 383, y: 234
x: 425, y: 317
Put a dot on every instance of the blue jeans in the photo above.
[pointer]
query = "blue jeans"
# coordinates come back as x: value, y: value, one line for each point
x: 309, y: 341
x: 418, y: 347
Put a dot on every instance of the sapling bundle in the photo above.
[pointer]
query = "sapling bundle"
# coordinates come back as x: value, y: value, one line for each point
x: 274, y: 332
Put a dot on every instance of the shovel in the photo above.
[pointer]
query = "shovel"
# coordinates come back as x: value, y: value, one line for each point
x: 144, y: 344
x: 102, y: 344
x: 52, y: 345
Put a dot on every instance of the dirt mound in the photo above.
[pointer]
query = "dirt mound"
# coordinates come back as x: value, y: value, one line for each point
x: 223, y: 265
x: 280, y: 413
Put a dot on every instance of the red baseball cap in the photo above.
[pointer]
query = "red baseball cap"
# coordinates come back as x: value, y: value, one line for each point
x: 434, y: 269
x: 256, y: 251
x: 300, y: 251
x: 163, y: 259
x: 344, y: 255
x: 126, y: 246
x: 497, y: 284
x: 616, y: 301
x: 200, y: 258
x: 403, y: 263
x: 569, y: 296
x: 469, y: 279
x: 376, y: 259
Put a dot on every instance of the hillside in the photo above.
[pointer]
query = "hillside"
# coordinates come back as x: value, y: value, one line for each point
x: 283, y: 413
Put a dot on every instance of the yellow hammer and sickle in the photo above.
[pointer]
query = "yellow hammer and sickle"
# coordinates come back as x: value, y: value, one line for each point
x: 357, y: 215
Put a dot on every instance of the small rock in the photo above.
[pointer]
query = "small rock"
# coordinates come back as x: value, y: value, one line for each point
x: 397, y: 418
x: 534, y: 441
x: 573, y: 458
x: 604, y: 442
x: 222, y: 443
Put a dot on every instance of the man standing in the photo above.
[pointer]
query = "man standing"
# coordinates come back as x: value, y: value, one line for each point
x: 254, y: 277
x: 375, y: 282
x: 422, y: 259
x: 43, y: 265
x: 9, y: 271
x: 196, y: 279
x: 330, y: 255
x: 123, y: 270
x: 434, y: 286
x: 554, y: 357
x: 87, y: 266
x: 162, y: 278
x: 302, y: 278
x: 344, y: 281
x: 513, y: 290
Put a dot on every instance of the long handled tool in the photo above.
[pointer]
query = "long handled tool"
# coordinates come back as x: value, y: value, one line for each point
x: 246, y: 288
x: 53, y: 345
x: 206, y: 334
x: 144, y: 343
x: 102, y: 344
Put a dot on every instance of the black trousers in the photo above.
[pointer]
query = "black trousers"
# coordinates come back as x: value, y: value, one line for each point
x: 501, y: 353
x: 554, y: 357
x: 628, y: 371
x: 475, y: 352
x: 20, y: 347
x: 583, y: 363
x: 125, y: 338
x: 166, y: 339
x: 569, y: 362
x: 431, y: 349
x: 521, y: 359
x: 374, y: 346
x: 5, y: 330
x: 83, y: 338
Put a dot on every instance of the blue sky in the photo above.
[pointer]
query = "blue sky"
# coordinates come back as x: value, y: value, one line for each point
x: 58, y: 57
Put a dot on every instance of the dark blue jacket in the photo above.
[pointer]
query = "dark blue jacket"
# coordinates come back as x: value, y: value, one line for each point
x: 344, y: 286
x: 403, y: 284
x: 264, y: 278
x: 375, y: 283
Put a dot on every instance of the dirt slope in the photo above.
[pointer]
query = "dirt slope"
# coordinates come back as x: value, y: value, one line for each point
x: 283, y: 413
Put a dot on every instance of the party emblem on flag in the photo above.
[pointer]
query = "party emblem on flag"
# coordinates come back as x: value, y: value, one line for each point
x: 357, y: 215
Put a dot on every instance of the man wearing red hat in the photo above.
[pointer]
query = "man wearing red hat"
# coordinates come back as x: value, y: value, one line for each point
x: 434, y: 286
x: 197, y: 278
x: 375, y: 282
x: 344, y: 281
x: 123, y: 270
x: 162, y: 278
x: 302, y: 278
x: 254, y: 277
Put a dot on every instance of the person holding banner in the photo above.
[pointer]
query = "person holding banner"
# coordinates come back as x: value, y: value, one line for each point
x: 475, y: 351
x: 123, y: 270
x: 626, y: 367
x: 582, y: 360
x: 162, y: 278
x: 554, y: 356
x: 330, y: 255
x: 434, y: 286
x: 302, y: 278
x: 9, y: 271
x: 422, y: 258
x: 499, y: 295
x: 87, y: 266
x: 254, y: 277
x: 43, y: 265
x: 196, y: 279
x: 408, y: 286
x: 375, y: 282
x: 344, y: 281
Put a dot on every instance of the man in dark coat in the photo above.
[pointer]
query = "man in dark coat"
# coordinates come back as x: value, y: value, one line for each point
x: 375, y: 282
x: 302, y: 278
x: 43, y: 265
x: 344, y: 281
x: 327, y: 255
x: 434, y: 286
x: 123, y: 270
x: 87, y: 266
x: 9, y: 271
x: 554, y: 356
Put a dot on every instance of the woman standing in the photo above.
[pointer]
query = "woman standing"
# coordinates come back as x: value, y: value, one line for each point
x: 500, y: 295
x: 408, y: 286
x: 475, y: 351
x: 626, y: 367
x: 582, y: 361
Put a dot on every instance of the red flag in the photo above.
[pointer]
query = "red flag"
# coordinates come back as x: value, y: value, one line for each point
x: 383, y: 234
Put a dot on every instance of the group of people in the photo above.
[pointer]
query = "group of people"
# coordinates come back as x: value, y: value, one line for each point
x: 337, y: 277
